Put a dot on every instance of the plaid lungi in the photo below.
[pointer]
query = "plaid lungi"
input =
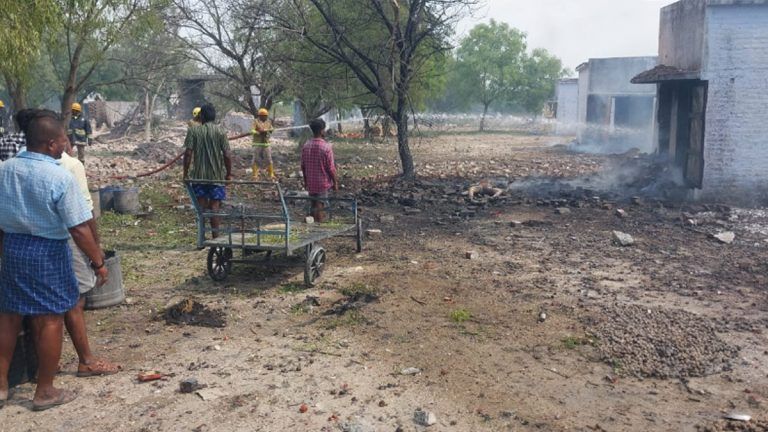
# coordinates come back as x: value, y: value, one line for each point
x: 36, y: 277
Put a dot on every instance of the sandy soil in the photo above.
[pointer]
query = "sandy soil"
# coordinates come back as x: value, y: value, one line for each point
x: 503, y: 342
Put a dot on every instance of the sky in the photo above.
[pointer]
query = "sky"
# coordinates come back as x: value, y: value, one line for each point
x: 576, y: 30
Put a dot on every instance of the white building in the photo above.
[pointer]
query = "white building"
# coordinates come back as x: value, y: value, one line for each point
x: 615, y: 115
x: 712, y: 78
x: 567, y: 109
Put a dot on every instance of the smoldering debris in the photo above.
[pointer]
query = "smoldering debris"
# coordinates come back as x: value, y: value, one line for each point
x: 639, y: 176
x: 191, y: 312
x: 659, y: 343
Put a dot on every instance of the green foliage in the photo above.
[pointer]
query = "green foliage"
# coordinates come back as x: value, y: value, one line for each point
x: 358, y: 290
x: 23, y: 26
x: 493, y: 68
x: 460, y: 315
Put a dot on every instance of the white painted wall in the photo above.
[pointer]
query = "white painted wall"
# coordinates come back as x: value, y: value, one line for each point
x: 736, y: 66
x: 567, y: 107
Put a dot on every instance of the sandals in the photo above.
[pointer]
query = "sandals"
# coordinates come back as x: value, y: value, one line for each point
x: 98, y: 368
x: 65, y: 397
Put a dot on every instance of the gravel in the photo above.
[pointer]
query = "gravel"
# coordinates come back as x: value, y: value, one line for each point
x: 659, y: 343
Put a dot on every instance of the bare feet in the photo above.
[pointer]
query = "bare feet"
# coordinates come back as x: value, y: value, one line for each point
x: 98, y: 367
x: 52, y: 398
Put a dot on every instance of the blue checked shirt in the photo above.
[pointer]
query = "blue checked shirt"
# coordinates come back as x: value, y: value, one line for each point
x: 40, y: 198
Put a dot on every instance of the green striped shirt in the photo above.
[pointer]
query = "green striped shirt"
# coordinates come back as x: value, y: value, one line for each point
x: 209, y: 144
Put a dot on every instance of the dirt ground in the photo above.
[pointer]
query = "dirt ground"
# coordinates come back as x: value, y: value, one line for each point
x: 552, y: 326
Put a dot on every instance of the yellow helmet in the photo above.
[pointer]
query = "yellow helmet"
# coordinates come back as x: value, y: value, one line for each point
x: 195, y: 111
x: 2, y: 104
x: 263, y: 112
x: 76, y: 107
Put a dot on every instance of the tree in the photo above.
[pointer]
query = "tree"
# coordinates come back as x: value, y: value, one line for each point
x: 90, y: 28
x: 23, y: 26
x: 384, y: 44
x: 491, y: 64
x: 149, y: 60
x: 232, y: 38
x: 541, y: 71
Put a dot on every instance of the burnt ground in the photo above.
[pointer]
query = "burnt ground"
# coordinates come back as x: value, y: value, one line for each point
x: 552, y: 327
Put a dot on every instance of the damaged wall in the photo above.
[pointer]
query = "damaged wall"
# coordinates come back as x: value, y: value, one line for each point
x: 681, y: 35
x: 736, y: 147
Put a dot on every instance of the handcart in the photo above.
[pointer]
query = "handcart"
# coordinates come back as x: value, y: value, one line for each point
x: 260, y: 219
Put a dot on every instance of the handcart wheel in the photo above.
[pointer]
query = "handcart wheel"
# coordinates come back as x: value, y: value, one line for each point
x: 314, y: 265
x: 359, y: 232
x: 219, y: 262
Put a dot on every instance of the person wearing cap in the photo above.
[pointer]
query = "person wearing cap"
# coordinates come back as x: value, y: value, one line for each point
x: 195, y: 121
x: 79, y: 131
x: 262, y: 152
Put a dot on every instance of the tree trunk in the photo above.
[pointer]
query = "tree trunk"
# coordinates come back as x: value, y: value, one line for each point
x: 482, y: 119
x: 403, y: 149
x: 18, y: 93
x: 367, y: 131
x: 147, y: 117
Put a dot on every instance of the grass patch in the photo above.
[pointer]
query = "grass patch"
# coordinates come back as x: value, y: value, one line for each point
x: 572, y: 342
x: 300, y: 309
x: 165, y: 228
x: 358, y: 290
x: 460, y: 315
x: 352, y: 318
x: 291, y: 288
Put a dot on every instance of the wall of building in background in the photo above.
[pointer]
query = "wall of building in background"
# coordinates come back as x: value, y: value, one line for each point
x: 567, y: 114
x: 614, y: 114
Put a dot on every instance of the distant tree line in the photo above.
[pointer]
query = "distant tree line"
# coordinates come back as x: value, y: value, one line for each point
x: 389, y: 58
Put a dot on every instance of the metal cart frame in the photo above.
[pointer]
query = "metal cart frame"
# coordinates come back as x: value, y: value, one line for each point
x: 260, y: 235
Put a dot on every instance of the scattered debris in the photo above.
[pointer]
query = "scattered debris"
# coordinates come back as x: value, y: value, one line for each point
x: 738, y: 417
x: 373, y: 232
x: 621, y: 213
x: 190, y: 385
x: 149, y: 376
x: 410, y: 371
x: 309, y: 219
x: 303, y: 408
x: 386, y: 218
x: 542, y: 316
x: 515, y: 224
x: 562, y: 211
x: 623, y: 239
x: 659, y: 343
x: 190, y: 312
x: 726, y: 237
x: 210, y: 394
x: 471, y: 255
x: 424, y: 418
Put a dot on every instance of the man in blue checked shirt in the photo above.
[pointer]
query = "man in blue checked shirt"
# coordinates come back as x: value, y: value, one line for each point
x: 36, y: 277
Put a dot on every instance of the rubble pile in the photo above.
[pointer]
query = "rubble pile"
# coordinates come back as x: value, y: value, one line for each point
x: 659, y: 343
x: 735, y: 426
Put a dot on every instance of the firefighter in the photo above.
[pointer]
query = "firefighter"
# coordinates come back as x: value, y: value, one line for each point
x: 79, y: 131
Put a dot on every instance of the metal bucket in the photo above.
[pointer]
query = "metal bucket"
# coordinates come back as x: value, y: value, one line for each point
x: 107, y: 198
x: 112, y: 292
x: 126, y: 201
